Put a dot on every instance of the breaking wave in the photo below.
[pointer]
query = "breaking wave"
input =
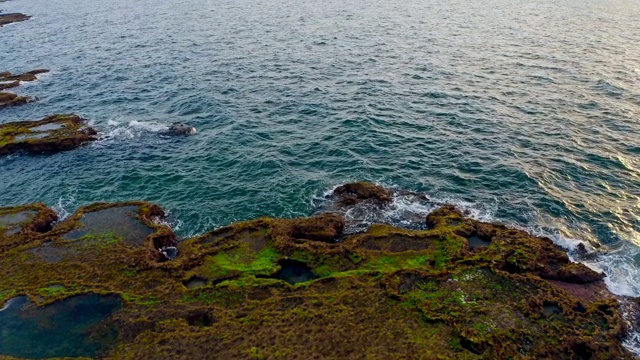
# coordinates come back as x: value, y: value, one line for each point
x: 125, y: 130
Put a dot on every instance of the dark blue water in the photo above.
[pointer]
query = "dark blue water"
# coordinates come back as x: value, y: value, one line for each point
x: 524, y: 112
x: 68, y: 328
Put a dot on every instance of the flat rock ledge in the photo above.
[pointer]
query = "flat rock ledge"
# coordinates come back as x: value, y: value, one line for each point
x: 12, y: 18
x: 301, y: 289
x: 52, y: 134
x: 9, y: 80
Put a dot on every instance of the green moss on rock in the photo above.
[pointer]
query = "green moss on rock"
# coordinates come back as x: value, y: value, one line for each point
x: 384, y: 293
x: 51, y: 134
x: 10, y: 99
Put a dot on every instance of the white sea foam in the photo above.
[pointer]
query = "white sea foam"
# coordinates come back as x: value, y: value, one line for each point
x: 63, y: 205
x: 118, y: 129
x: 8, y: 304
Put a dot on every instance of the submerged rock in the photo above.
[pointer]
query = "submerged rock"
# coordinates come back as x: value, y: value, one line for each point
x: 179, y: 128
x: 300, y: 288
x: 51, y: 134
x: 12, y: 17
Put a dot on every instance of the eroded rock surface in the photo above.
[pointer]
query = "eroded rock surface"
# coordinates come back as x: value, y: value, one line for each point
x: 300, y: 288
x: 51, y: 134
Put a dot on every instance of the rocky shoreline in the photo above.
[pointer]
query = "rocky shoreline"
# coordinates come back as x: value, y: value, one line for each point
x: 302, y: 288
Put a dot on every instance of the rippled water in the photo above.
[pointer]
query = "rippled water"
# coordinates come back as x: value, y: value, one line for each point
x: 526, y: 112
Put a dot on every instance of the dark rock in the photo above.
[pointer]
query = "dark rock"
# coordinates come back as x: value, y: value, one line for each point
x: 354, y: 193
x: 577, y: 274
x: 169, y: 252
x: 10, y: 99
x: 12, y: 17
x: 325, y: 228
x: 8, y: 81
x: 179, y: 128
x: 6, y: 76
x: 9, y: 85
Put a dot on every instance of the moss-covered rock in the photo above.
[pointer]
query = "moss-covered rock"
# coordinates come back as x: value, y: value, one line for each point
x: 22, y: 224
x: 300, y: 289
x: 9, y: 80
x: 11, y: 99
x: 51, y: 134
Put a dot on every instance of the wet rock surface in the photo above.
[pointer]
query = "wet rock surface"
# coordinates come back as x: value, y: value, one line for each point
x: 178, y: 128
x: 286, y: 288
x: 21, y: 224
x: 353, y: 193
x: 11, y: 99
x: 6, y: 19
x: 52, y: 134
x: 8, y: 81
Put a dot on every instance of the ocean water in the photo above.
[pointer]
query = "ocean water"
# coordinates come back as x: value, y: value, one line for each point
x: 526, y: 113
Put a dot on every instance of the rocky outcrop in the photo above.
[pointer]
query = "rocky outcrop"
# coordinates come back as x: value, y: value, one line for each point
x: 51, y: 134
x: 357, y: 192
x: 300, y: 288
x: 12, y: 17
x: 178, y: 128
x: 11, y: 99
x: 8, y: 81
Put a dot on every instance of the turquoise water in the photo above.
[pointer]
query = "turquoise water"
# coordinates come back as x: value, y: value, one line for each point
x: 522, y: 112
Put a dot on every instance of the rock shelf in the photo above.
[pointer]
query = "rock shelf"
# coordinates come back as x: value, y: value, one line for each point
x: 51, y: 134
x: 300, y: 288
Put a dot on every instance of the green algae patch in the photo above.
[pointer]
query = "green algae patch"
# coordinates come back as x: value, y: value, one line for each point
x: 300, y: 288
x: 244, y: 261
x: 51, y: 134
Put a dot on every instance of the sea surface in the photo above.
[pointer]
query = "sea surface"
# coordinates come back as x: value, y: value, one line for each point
x: 522, y: 112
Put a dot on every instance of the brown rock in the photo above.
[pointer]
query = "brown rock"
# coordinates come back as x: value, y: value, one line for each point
x: 12, y: 17
x: 10, y: 99
x: 325, y: 228
x: 353, y: 193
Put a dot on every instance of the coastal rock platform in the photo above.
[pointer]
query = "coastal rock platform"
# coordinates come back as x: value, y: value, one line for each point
x: 50, y: 134
x: 302, y: 288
